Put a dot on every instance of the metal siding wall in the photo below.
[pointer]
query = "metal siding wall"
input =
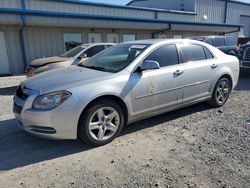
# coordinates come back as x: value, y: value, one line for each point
x: 10, y: 19
x: 91, y: 23
x: 86, y: 9
x: 176, y: 17
x: 45, y: 41
x: 42, y: 41
x: 235, y: 11
x: 214, y: 10
x: 245, y: 20
x: 10, y: 4
x: 11, y: 34
x: 166, y: 4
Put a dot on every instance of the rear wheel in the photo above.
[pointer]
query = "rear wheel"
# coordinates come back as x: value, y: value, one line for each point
x: 221, y: 92
x: 101, y: 123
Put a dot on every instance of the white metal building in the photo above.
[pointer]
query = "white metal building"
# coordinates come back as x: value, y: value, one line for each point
x: 30, y: 29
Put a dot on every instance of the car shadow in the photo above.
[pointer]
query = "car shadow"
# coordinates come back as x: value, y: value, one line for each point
x: 8, y: 90
x: 18, y: 148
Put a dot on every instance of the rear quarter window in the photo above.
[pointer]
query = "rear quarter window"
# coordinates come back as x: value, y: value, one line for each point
x: 208, y: 54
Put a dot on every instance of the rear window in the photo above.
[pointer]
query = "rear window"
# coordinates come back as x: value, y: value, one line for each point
x: 219, y: 42
x: 231, y: 41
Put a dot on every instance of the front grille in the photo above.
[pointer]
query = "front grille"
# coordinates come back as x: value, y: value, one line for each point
x: 245, y: 64
x: 246, y: 54
x: 18, y: 109
x: 21, y: 94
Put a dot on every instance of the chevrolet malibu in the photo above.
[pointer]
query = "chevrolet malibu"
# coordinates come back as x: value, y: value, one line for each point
x: 125, y: 83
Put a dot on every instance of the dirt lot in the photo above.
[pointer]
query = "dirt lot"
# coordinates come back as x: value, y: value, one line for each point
x: 194, y: 147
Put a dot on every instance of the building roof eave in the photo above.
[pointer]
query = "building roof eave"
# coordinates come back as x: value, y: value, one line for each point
x: 29, y: 12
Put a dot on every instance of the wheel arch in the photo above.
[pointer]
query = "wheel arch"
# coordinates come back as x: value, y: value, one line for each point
x: 228, y: 76
x: 115, y: 98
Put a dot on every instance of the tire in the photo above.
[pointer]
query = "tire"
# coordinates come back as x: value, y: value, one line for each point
x: 220, y: 93
x: 101, y: 123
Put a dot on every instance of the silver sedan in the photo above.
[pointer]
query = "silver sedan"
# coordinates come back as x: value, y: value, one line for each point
x: 125, y: 83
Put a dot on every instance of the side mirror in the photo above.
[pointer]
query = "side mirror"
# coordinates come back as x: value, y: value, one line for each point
x: 149, y: 65
x: 83, y: 56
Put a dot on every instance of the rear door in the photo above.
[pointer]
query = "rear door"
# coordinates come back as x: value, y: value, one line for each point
x: 200, y: 69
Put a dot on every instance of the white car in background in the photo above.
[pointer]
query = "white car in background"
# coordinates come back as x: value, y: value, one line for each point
x: 71, y: 57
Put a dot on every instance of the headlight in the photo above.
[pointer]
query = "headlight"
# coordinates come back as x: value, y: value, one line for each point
x: 50, y: 100
x: 41, y: 69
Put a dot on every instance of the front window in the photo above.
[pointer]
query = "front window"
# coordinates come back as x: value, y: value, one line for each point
x: 116, y: 58
x: 73, y: 52
x: 165, y: 56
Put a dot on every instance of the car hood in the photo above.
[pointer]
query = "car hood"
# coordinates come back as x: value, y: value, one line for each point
x: 47, y: 60
x: 64, y: 78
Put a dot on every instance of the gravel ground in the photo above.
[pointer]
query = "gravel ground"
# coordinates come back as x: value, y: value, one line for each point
x: 196, y: 146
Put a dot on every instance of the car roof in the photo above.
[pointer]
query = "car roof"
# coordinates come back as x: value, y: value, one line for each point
x: 211, y: 36
x: 96, y: 44
x: 155, y: 41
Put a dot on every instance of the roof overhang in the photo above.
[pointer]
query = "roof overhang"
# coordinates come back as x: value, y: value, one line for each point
x: 161, y: 23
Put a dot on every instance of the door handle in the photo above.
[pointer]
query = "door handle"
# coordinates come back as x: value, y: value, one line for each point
x: 213, y: 66
x: 178, y: 72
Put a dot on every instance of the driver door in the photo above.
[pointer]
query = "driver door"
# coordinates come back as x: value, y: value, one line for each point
x: 158, y: 88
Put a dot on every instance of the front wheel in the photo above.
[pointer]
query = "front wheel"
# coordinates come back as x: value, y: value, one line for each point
x: 221, y: 93
x: 101, y: 123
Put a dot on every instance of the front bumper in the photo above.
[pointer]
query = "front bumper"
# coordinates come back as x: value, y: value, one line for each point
x: 245, y: 64
x: 58, y: 123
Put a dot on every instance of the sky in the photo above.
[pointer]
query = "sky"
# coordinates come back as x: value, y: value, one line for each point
x: 123, y: 2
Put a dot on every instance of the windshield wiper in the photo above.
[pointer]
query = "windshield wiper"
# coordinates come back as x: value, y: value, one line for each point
x: 93, y: 67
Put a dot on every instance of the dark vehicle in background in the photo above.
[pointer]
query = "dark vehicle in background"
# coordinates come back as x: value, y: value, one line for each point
x: 71, y: 57
x: 244, y: 57
x: 226, y: 44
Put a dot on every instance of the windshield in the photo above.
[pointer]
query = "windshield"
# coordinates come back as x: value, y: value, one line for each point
x: 73, y: 51
x: 116, y: 58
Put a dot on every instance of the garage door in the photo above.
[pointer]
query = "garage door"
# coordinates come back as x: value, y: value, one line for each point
x: 4, y: 63
x: 245, y: 21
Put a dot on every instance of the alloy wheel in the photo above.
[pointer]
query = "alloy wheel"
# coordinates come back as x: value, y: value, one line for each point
x: 222, y: 91
x: 104, y: 123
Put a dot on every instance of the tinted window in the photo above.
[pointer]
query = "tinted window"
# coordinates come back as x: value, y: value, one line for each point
x: 94, y: 50
x: 193, y: 52
x: 219, y: 42
x: 165, y: 56
x: 209, y: 55
x: 108, y: 46
x: 209, y: 41
x: 231, y: 41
